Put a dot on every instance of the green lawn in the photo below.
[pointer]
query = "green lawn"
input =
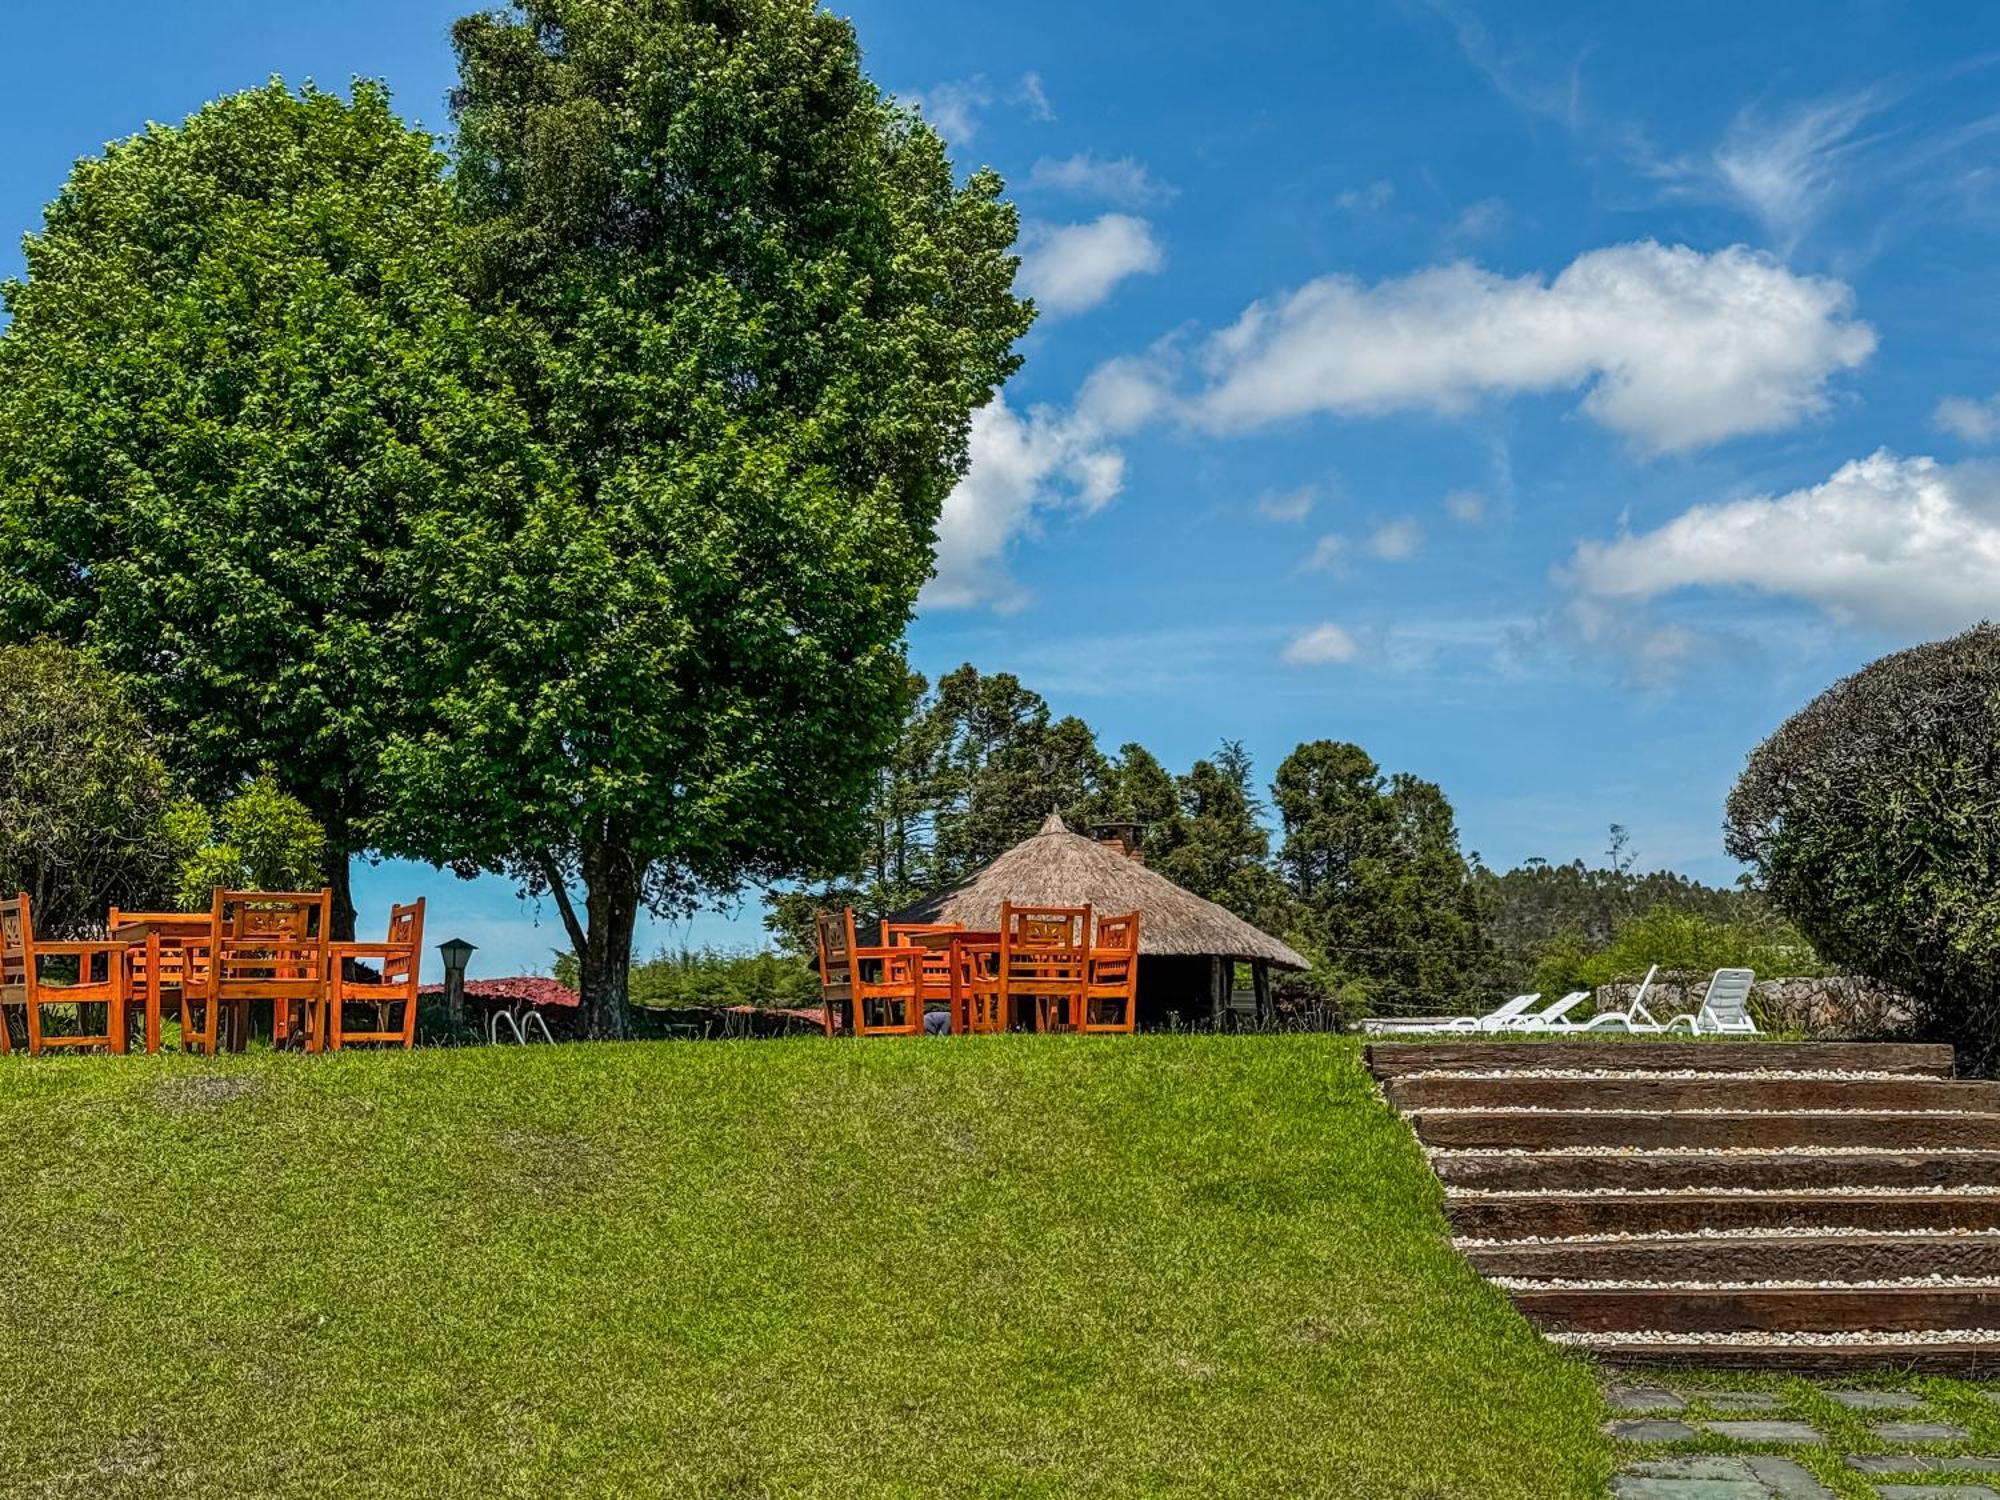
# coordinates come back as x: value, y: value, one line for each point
x: 1007, y: 1266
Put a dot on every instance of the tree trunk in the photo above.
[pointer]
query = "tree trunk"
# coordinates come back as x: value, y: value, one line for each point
x: 339, y: 865
x: 611, y: 907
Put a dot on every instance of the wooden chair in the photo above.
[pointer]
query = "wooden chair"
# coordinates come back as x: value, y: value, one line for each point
x: 1110, y: 998
x: 934, y: 968
x: 262, y: 945
x: 175, y: 942
x: 1045, y: 956
x: 978, y: 999
x: 890, y: 1003
x: 22, y: 983
x: 398, y: 958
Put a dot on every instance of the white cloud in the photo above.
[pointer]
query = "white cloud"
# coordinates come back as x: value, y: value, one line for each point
x: 1367, y: 200
x: 1122, y: 180
x: 1785, y: 171
x: 1320, y: 646
x: 1468, y: 506
x: 1022, y: 465
x: 1287, y: 505
x: 1479, y: 220
x: 1326, y: 551
x: 1069, y: 268
x: 1968, y: 418
x: 1395, y: 541
x: 1030, y: 94
x: 953, y: 108
x: 1675, y: 349
x: 1910, y: 546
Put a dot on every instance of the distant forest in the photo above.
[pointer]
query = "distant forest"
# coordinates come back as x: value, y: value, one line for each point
x: 1359, y: 868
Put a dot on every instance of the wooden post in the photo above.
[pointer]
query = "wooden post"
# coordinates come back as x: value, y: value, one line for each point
x: 1220, y: 977
x: 1260, y: 980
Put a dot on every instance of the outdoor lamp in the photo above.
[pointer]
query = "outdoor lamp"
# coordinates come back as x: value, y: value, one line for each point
x: 455, y: 952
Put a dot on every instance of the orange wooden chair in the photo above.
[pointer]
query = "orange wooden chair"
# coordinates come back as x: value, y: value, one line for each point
x: 1045, y: 956
x: 101, y: 979
x: 398, y: 959
x: 934, y: 968
x: 174, y: 941
x: 262, y: 945
x: 978, y: 999
x: 888, y: 1004
x: 1110, y: 997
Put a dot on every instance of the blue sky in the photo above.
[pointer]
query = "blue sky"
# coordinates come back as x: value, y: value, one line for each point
x: 1548, y: 398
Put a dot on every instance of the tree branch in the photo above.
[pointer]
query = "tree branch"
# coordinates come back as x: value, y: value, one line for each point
x: 554, y: 877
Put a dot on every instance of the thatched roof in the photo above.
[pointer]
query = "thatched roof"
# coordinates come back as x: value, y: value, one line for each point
x: 1060, y: 868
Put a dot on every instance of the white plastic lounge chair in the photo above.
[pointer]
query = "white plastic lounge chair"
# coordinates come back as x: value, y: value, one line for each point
x: 1725, y: 1009
x: 1496, y: 1020
x: 1550, y: 1019
x: 1634, y: 1018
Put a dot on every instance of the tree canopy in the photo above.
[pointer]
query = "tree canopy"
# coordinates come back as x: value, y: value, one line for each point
x: 750, y: 312
x: 239, y: 374
x: 1869, y: 818
x: 87, y: 807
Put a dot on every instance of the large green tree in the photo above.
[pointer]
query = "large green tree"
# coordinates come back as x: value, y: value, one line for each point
x: 752, y: 311
x: 1375, y: 861
x: 1872, y: 819
x: 238, y: 375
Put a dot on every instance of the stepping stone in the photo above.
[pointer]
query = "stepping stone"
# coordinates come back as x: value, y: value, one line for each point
x: 1919, y: 1432
x: 1787, y: 1480
x: 1764, y: 1432
x: 1690, y: 1479
x: 1921, y: 1463
x: 1642, y: 1398
x: 1743, y: 1400
x: 1937, y: 1492
x: 1649, y: 1430
x: 1623, y: 1488
x: 1875, y: 1400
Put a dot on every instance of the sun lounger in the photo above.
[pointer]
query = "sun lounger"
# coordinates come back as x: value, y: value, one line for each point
x: 1634, y: 1018
x: 1725, y: 1009
x: 1550, y: 1019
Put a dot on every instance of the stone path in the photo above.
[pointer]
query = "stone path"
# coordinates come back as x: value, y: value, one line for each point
x: 1661, y: 1414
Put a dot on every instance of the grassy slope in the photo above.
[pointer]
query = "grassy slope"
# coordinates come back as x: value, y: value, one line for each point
x: 997, y: 1266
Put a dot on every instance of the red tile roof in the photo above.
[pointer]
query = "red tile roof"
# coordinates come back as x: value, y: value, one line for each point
x: 524, y: 989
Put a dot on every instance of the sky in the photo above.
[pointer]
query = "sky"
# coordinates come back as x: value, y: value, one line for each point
x: 1549, y: 398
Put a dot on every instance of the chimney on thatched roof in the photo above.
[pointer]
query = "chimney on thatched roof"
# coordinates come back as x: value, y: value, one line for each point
x: 1058, y: 868
x: 1129, y: 839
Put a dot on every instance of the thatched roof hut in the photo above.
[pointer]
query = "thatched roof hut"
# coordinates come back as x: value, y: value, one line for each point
x: 1188, y: 947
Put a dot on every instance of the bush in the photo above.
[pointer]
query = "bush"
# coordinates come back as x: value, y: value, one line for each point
x: 261, y: 839
x: 1872, y: 818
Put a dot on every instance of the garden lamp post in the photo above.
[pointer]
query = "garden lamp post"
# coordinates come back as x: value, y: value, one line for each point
x: 456, y: 952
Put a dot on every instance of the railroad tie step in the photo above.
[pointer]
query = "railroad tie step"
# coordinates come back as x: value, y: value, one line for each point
x: 1796, y: 1169
x: 1393, y: 1059
x: 1544, y: 1215
x: 1541, y: 1129
x: 1811, y: 1255
x: 1971, y: 1353
x: 1870, y: 1307
x: 1663, y: 1093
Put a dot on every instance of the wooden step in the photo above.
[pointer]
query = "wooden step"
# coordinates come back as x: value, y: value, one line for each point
x: 1964, y: 1360
x: 1664, y: 1094
x: 1510, y: 1216
x: 1839, y: 1257
x: 1840, y: 1309
x: 1393, y: 1059
x: 1535, y: 1130
x: 1568, y: 1171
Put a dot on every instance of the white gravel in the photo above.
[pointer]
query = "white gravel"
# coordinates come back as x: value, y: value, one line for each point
x: 1427, y: 1111
x: 1566, y: 1194
x: 1793, y: 1232
x: 1694, y: 1153
x: 1873, y: 1284
x: 1781, y: 1340
x: 1638, y: 1075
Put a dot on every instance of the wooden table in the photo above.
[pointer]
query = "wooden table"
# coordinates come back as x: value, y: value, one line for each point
x: 152, y: 933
